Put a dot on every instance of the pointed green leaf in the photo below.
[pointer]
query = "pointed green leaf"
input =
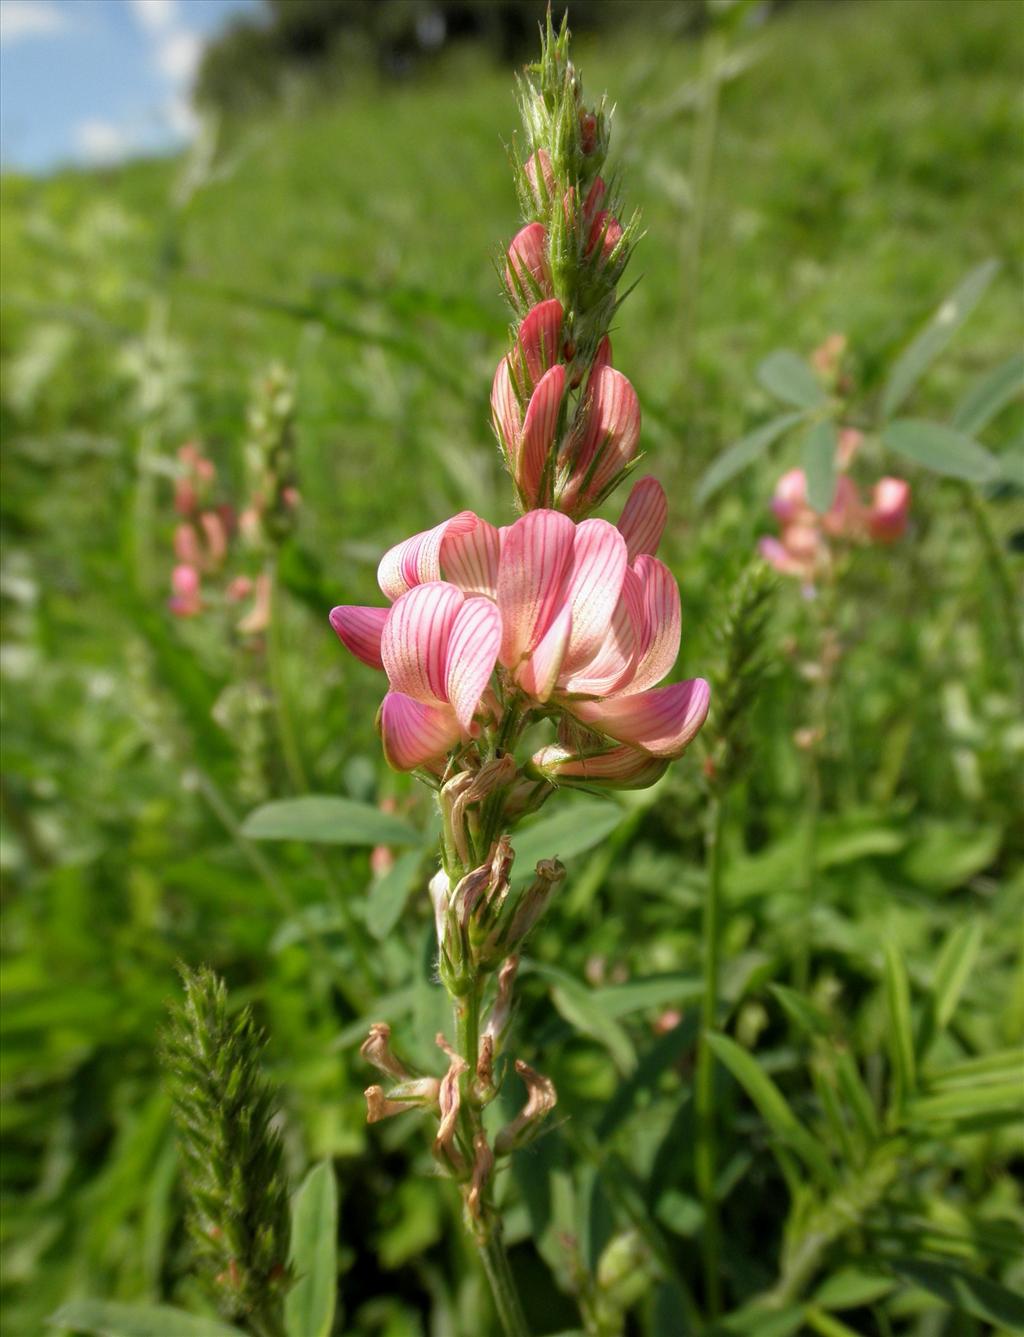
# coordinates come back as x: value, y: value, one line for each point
x: 107, y: 1318
x: 324, y: 819
x: 964, y: 1291
x: 389, y: 893
x: 900, y: 1032
x: 969, y: 1102
x: 922, y: 351
x: 581, y: 1008
x: 989, y: 396
x: 956, y: 961
x: 743, y: 452
x: 576, y: 828
x: 1004, y: 1065
x: 772, y: 1104
x: 851, y: 1288
x: 788, y: 377
x: 801, y: 1011
x: 818, y: 458
x: 941, y: 449
x: 309, y: 1307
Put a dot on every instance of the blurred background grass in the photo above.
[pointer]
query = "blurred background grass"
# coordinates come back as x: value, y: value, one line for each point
x: 868, y: 154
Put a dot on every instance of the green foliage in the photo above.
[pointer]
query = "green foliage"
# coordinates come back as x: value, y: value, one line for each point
x: 231, y: 1154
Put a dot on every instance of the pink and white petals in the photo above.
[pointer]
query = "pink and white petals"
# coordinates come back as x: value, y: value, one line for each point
x: 470, y: 551
x: 538, y: 436
x: 414, y: 642
x: 595, y: 583
x: 536, y: 557
x: 660, y: 621
x: 610, y: 438
x: 415, y: 733
x: 662, y: 721
x: 539, y: 340
x: 538, y: 674
x: 643, y: 518
x: 527, y: 273
x: 473, y: 645
x: 621, y: 767
x: 359, y: 630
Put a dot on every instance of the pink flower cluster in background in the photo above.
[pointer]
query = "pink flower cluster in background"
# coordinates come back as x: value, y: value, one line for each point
x: 805, y: 545
x: 579, y: 621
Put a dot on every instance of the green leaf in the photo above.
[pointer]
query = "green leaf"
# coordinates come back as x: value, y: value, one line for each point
x: 743, y: 452
x: 323, y: 819
x: 578, y: 827
x: 309, y: 1307
x: 990, y: 395
x: 107, y: 1318
x: 956, y: 961
x: 818, y: 458
x: 760, y: 1320
x: 581, y: 1008
x: 941, y: 449
x: 1004, y: 1065
x: 962, y: 1290
x: 968, y: 1102
x: 772, y: 1104
x: 900, y: 1032
x: 801, y: 1011
x: 788, y: 377
x: 389, y: 893
x: 619, y: 1000
x: 851, y: 1287
x: 922, y: 351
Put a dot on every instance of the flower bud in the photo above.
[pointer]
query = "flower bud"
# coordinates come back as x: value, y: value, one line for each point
x: 528, y: 272
x: 541, y: 178
x: 621, y: 767
x: 185, y: 600
x: 890, y: 508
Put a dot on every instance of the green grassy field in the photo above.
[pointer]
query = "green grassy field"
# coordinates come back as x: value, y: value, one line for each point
x: 867, y: 156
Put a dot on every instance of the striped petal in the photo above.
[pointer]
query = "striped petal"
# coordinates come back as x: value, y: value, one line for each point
x: 621, y: 767
x: 615, y: 661
x: 359, y: 630
x: 472, y: 652
x: 414, y: 643
x: 610, y: 436
x: 539, y: 672
x: 539, y: 428
x: 662, y: 721
x: 527, y: 273
x: 661, y: 624
x: 595, y: 583
x: 506, y: 414
x: 539, y: 339
x: 536, y: 557
x: 417, y: 560
x: 469, y: 555
x: 642, y: 522
x: 415, y: 733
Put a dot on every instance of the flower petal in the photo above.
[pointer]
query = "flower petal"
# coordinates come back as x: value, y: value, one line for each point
x: 614, y: 663
x: 527, y: 274
x: 415, y: 733
x: 662, y: 721
x: 539, y: 672
x: 417, y: 560
x: 472, y: 652
x: 539, y: 432
x: 610, y: 435
x: 661, y: 624
x: 642, y: 522
x: 536, y: 556
x: 414, y: 643
x: 539, y: 340
x: 506, y: 414
x: 621, y: 767
x: 469, y: 555
x: 359, y: 630
x: 595, y: 583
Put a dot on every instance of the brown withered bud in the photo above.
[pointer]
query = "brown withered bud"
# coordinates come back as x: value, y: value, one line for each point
x: 449, y: 1100
x: 540, y: 1101
x: 420, y: 1093
x: 483, y: 1164
x: 483, y: 1086
x: 501, y: 1012
x: 376, y: 1050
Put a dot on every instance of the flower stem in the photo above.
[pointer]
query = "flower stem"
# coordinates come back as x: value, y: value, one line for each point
x: 704, y: 1096
x: 503, y: 1286
x: 1003, y: 577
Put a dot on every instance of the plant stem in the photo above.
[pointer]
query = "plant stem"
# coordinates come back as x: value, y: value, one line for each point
x: 503, y: 1286
x: 1003, y: 577
x: 802, y: 972
x: 275, y: 667
x: 704, y: 1096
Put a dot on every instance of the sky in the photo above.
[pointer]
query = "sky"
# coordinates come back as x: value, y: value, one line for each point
x: 96, y: 81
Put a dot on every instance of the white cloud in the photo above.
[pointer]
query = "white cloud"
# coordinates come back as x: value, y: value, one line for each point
x: 103, y: 141
x: 177, y: 55
x: 155, y: 15
x: 20, y: 19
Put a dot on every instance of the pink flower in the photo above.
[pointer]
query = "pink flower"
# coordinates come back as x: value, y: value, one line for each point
x: 531, y: 376
x: 185, y: 600
x: 580, y: 617
x: 605, y: 234
x: 605, y: 440
x: 890, y: 506
x: 541, y: 177
x: 528, y: 272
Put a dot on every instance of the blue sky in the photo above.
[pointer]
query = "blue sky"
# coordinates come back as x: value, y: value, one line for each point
x: 95, y: 81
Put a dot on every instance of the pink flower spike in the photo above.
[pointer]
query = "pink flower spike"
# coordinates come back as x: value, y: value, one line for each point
x: 473, y: 647
x: 890, y: 507
x: 539, y: 338
x: 359, y: 630
x: 414, y: 641
x: 643, y: 518
x: 536, y: 557
x: 415, y: 733
x: 662, y: 721
x: 527, y: 269
x: 538, y: 436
